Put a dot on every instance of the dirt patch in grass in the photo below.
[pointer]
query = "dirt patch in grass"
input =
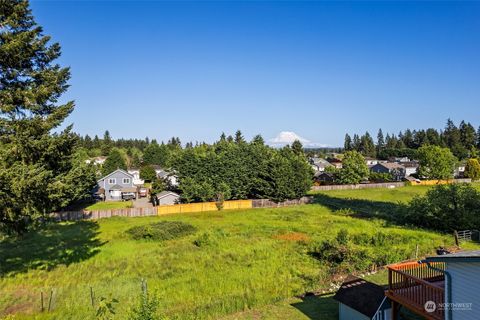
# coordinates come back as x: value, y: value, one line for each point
x: 293, y: 236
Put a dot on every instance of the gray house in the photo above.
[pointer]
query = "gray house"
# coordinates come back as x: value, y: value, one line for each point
x: 167, y: 198
x: 117, y: 184
x: 359, y: 299
x: 397, y: 170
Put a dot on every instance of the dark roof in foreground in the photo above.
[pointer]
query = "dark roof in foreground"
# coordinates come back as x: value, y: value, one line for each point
x: 361, y: 295
x: 473, y: 255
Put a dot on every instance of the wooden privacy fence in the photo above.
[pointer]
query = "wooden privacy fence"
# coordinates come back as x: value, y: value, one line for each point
x: 265, y: 203
x: 98, y: 214
x: 436, y: 182
x: 203, y: 206
x: 358, y: 186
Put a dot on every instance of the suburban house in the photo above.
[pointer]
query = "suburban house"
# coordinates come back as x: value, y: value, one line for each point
x: 411, y: 167
x: 460, y: 171
x: 397, y: 170
x: 116, y: 184
x: 319, y: 164
x: 359, y: 299
x: 136, y: 176
x: 372, y: 161
x: 96, y: 161
x: 324, y: 178
x: 439, y: 287
x: 169, y: 177
x: 167, y: 198
x: 337, y: 163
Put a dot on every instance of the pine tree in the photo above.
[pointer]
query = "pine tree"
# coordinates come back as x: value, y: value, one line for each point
x: 347, y: 145
x: 239, y: 137
x: 297, y: 147
x: 115, y: 160
x: 380, y: 140
x: 258, y: 140
x: 107, y: 143
x: 38, y: 172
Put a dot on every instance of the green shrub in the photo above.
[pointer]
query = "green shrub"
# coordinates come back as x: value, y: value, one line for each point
x: 164, y: 230
x: 209, y: 238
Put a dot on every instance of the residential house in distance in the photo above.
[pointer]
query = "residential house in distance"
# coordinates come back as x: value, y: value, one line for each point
x: 170, y: 177
x: 319, y: 164
x: 372, y: 161
x: 397, y: 170
x: 136, y: 176
x: 359, y: 299
x: 411, y: 167
x: 460, y: 170
x: 439, y: 287
x: 98, y: 161
x: 167, y: 198
x: 337, y: 163
x: 116, y: 184
x: 324, y: 178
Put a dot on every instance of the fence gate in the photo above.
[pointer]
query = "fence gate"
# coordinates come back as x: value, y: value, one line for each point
x: 468, y: 235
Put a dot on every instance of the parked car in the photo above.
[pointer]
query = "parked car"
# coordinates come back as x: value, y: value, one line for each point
x: 128, y: 196
x: 143, y: 192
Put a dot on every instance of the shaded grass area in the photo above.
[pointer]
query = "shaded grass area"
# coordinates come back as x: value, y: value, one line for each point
x: 239, y: 264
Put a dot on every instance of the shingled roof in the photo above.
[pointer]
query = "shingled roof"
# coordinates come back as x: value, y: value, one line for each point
x: 361, y: 295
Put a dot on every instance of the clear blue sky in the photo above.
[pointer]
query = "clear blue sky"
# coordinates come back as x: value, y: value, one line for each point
x: 319, y: 69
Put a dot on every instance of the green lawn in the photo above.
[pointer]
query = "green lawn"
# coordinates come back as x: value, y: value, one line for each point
x: 254, y: 264
x: 106, y: 205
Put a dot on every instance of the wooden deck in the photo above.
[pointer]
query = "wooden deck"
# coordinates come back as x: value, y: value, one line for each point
x: 412, y: 284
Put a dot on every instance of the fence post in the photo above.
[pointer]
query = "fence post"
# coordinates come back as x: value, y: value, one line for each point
x: 455, y: 234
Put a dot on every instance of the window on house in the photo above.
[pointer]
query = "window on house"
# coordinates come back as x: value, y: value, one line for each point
x: 112, y: 181
x: 126, y: 180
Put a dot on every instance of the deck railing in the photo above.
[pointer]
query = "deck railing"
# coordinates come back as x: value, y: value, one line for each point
x: 413, y: 284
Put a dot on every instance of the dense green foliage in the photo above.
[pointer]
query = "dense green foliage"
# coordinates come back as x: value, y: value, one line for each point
x: 241, y: 170
x: 115, y: 160
x: 446, y: 208
x: 436, y: 162
x: 39, y: 172
x: 148, y: 173
x: 164, y: 230
x: 354, y: 169
x: 461, y: 140
x: 472, y: 169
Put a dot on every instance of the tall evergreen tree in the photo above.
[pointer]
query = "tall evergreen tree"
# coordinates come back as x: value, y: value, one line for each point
x: 115, y: 160
x: 38, y: 170
x: 468, y: 136
x: 297, y: 147
x: 347, y: 145
x: 239, y: 137
x: 380, y: 140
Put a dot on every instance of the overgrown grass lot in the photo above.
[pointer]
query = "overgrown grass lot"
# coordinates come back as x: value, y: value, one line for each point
x: 240, y: 264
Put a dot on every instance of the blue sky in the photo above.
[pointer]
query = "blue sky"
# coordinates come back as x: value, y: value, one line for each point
x: 319, y: 69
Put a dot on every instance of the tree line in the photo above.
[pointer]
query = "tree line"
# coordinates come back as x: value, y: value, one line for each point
x: 462, y: 140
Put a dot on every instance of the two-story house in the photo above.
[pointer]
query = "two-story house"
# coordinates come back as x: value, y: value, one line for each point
x: 116, y: 184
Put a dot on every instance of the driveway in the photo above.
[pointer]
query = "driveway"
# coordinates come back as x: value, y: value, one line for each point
x: 142, y: 203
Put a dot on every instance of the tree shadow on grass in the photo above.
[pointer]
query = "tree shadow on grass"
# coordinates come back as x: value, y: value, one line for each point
x: 361, y: 208
x: 57, y: 244
x: 318, y: 307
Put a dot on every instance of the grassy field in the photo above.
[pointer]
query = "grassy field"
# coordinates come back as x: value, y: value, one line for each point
x: 101, y: 205
x: 241, y: 264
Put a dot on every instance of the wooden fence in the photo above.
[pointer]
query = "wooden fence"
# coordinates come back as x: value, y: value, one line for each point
x: 358, y: 186
x: 98, y: 214
x: 265, y: 203
x: 436, y: 182
x: 203, y: 206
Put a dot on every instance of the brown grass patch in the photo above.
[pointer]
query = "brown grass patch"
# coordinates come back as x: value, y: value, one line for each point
x: 293, y: 236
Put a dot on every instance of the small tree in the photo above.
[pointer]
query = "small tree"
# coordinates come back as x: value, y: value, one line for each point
x: 472, y: 169
x: 436, y: 162
x: 148, y: 173
x: 297, y: 147
x: 354, y: 168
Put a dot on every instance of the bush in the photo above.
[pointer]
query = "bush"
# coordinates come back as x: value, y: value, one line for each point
x: 446, y: 208
x: 165, y: 230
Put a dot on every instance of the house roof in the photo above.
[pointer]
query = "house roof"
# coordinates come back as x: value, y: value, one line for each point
x: 391, y: 165
x: 361, y: 295
x: 118, y: 170
x: 166, y: 193
x: 464, y: 256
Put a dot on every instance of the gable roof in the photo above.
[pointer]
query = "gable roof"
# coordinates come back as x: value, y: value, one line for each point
x: 390, y: 165
x: 361, y: 295
x: 166, y: 193
x: 118, y: 170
